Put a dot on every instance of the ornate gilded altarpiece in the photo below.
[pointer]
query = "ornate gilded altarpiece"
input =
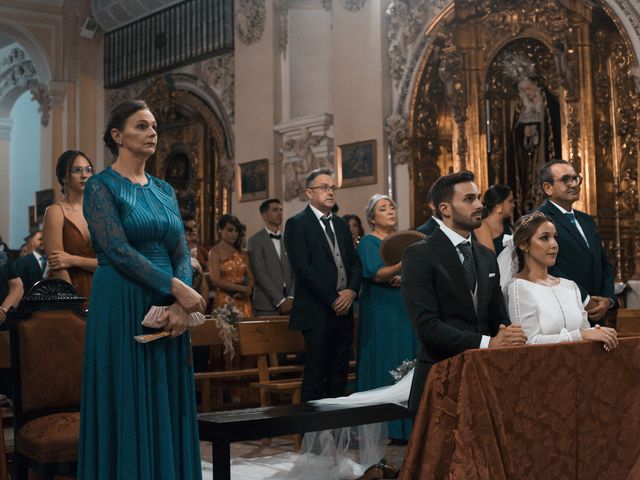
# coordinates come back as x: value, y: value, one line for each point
x: 190, y: 154
x: 504, y: 85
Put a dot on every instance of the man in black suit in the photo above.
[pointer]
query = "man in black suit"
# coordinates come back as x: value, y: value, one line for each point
x: 32, y: 267
x: 451, y: 284
x: 434, y: 222
x: 327, y: 275
x: 581, y: 257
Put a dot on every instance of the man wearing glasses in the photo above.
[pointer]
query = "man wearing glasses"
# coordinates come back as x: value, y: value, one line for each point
x: 581, y: 257
x: 327, y: 275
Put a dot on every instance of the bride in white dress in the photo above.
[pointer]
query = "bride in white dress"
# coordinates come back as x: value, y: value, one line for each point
x: 549, y: 309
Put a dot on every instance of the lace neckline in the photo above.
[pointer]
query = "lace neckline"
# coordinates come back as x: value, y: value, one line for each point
x: 122, y: 177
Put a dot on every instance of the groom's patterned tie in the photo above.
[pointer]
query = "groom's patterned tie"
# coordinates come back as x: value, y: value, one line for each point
x: 469, y: 265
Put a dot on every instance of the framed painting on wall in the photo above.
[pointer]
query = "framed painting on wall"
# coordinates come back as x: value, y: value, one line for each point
x: 44, y: 198
x: 253, y: 180
x: 33, y: 221
x: 357, y: 164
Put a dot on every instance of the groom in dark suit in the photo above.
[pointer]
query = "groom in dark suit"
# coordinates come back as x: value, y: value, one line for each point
x: 327, y: 275
x: 451, y: 284
x: 581, y: 257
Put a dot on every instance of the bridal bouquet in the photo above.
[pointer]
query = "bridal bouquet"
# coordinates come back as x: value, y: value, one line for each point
x: 227, y: 318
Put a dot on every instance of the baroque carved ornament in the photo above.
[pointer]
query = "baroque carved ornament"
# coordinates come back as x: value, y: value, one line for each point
x: 250, y: 20
x: 306, y: 145
x: 18, y: 72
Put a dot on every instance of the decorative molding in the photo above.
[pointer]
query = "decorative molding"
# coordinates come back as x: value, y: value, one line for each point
x: 5, y: 128
x: 282, y: 8
x: 250, y: 20
x: 396, y: 130
x: 18, y: 72
x: 406, y: 22
x: 353, y: 5
x: 216, y: 75
x: 40, y: 93
x: 219, y: 74
x: 307, y: 144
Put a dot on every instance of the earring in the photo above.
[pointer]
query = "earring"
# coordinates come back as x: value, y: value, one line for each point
x: 121, y: 143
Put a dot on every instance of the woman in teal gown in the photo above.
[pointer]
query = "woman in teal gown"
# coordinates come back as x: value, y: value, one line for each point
x: 138, y: 410
x: 386, y: 337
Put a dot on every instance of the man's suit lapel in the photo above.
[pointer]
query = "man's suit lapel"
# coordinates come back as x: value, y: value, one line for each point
x: 560, y: 219
x: 271, y: 248
x: 451, y: 263
x: 317, y: 230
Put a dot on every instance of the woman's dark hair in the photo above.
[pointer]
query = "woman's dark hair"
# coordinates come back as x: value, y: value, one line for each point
x: 64, y: 164
x: 524, y: 229
x: 225, y: 219
x: 118, y: 118
x: 356, y: 218
x: 495, y: 195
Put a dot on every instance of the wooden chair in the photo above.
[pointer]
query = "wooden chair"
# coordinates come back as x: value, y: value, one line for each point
x: 47, y: 340
x: 628, y: 322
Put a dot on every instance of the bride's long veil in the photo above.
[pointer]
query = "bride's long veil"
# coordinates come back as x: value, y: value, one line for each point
x: 326, y: 455
x: 507, y: 261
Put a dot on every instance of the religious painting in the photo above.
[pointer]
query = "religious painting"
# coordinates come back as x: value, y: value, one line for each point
x: 357, y: 164
x: 44, y: 198
x: 33, y: 221
x: 253, y: 180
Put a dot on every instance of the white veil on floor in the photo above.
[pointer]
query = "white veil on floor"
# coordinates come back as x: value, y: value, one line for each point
x: 326, y: 455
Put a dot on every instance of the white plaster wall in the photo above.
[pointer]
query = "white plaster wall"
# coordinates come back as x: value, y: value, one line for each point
x: 24, y: 171
x: 257, y: 100
x: 359, y: 97
x: 309, y: 62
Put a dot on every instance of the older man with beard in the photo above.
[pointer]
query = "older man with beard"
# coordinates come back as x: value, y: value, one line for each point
x: 451, y: 284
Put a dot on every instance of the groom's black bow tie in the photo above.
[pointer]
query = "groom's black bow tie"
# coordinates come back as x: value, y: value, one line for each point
x: 277, y: 237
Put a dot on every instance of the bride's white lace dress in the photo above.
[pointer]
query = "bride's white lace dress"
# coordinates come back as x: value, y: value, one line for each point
x: 547, y: 314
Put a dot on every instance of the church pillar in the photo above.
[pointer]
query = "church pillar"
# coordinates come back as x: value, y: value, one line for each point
x: 587, y: 147
x: 5, y: 155
x: 54, y: 138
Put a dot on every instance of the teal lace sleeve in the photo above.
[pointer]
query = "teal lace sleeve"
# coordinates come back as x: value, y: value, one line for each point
x: 109, y: 239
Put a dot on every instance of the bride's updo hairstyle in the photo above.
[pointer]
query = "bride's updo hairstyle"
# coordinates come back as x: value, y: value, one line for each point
x: 118, y: 117
x: 523, y: 230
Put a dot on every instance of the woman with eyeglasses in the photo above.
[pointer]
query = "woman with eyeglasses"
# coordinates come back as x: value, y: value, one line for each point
x: 66, y: 235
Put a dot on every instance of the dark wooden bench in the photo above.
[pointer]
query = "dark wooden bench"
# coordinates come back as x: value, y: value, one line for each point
x: 223, y: 428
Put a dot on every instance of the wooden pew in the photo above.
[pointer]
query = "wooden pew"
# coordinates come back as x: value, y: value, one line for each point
x: 628, y: 322
x: 265, y: 338
x: 208, y: 334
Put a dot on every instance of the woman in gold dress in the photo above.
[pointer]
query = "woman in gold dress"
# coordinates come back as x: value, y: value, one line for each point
x: 229, y: 267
